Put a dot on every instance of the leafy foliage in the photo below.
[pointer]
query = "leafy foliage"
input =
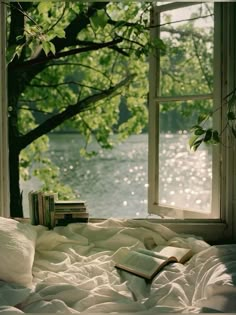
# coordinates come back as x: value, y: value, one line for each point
x: 66, y: 57
x: 209, y: 135
x: 187, y: 65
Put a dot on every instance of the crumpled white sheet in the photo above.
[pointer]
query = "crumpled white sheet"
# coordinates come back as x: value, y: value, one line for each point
x: 74, y: 271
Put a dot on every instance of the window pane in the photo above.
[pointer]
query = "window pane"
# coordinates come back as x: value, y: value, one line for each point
x: 114, y: 182
x: 187, y: 65
x: 185, y: 178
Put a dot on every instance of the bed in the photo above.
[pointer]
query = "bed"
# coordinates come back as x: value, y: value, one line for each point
x: 71, y: 270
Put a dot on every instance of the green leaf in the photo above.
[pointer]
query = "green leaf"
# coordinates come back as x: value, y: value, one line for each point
x: 120, y: 23
x: 11, y: 52
x: 231, y: 116
x: 199, y: 131
x: 202, y: 117
x: 216, y: 137
x: 46, y: 47
x: 59, y: 32
x: 158, y: 43
x: 194, y: 144
x: 20, y: 38
x: 233, y: 131
x: 44, y: 7
x: 192, y: 140
x: 193, y: 128
x: 197, y: 144
x: 52, y: 48
x: 208, y: 135
x: 99, y: 19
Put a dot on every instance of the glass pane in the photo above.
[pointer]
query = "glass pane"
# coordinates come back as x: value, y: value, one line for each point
x: 185, y: 178
x: 187, y: 65
x: 114, y: 182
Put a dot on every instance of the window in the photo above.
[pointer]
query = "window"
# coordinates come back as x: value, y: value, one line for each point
x: 190, y: 187
x: 215, y: 219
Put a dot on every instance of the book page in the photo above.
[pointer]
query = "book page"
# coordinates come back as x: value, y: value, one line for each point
x: 140, y: 264
x: 181, y: 254
x: 154, y: 254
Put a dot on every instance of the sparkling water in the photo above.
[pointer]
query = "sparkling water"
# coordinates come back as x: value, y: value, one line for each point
x: 115, y: 182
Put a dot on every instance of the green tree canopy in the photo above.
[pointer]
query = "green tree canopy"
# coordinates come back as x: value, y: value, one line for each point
x: 74, y: 64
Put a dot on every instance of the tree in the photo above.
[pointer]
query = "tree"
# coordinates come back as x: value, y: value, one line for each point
x: 73, y: 63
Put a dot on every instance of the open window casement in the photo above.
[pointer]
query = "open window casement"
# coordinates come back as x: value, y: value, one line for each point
x: 193, y: 191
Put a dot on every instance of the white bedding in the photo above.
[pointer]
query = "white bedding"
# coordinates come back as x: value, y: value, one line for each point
x: 73, y: 272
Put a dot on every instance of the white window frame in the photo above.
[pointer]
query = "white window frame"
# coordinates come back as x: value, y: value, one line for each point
x: 4, y: 174
x: 154, y: 206
x: 219, y: 226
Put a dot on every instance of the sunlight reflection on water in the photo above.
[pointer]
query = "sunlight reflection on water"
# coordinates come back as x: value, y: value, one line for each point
x: 115, y: 183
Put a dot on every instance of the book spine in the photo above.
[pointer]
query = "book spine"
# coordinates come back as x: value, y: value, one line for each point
x: 46, y: 211
x: 31, y: 209
x: 69, y: 202
x: 66, y: 209
x: 40, y: 208
x: 35, y: 206
x: 52, y: 209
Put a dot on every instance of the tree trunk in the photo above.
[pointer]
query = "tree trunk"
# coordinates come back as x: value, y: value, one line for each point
x: 16, y: 209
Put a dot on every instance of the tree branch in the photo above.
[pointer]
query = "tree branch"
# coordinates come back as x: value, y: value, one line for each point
x: 186, y: 33
x: 79, y: 23
x: 45, y: 59
x: 182, y: 20
x: 35, y: 110
x: 17, y: 22
x: 59, y: 19
x: 64, y: 83
x: 81, y: 65
x: 68, y: 113
x: 33, y: 100
x: 205, y: 73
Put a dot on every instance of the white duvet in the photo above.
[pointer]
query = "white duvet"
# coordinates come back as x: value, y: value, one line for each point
x: 73, y: 272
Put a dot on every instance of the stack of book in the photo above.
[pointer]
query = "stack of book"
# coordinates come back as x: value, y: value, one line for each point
x: 70, y: 211
x: 41, y: 208
x: 46, y: 209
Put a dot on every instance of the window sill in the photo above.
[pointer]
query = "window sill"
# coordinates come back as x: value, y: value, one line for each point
x: 212, y: 231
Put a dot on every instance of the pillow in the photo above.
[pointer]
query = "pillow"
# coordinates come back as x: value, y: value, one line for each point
x: 17, y: 248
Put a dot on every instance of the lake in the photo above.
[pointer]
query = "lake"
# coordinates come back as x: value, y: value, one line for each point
x: 114, y: 183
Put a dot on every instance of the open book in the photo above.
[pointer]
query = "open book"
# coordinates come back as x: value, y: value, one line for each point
x: 147, y: 263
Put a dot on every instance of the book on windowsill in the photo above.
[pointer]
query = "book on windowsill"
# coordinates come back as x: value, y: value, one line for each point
x: 70, y: 203
x: 71, y: 209
x: 70, y: 215
x: 147, y: 263
x: 68, y: 220
x: 41, y: 206
x: 46, y: 209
